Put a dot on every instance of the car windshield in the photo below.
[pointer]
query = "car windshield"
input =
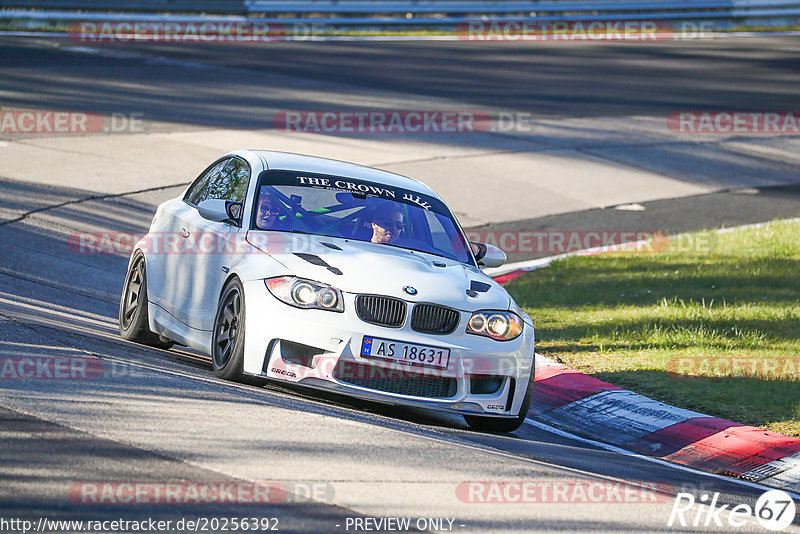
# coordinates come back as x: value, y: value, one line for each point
x: 348, y: 208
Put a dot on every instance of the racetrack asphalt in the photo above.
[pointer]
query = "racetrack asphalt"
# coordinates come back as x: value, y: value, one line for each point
x: 162, y: 416
x: 590, y: 128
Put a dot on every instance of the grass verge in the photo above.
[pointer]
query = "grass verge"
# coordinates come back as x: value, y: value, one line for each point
x: 712, y: 324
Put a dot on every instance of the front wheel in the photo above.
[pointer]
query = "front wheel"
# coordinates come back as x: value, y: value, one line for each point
x: 227, y: 345
x: 133, y: 321
x: 496, y: 424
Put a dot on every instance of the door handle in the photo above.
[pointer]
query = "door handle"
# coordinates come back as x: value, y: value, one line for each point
x: 185, y: 233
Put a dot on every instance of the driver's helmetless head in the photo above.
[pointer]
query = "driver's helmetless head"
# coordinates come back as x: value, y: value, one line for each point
x: 387, y: 225
x: 267, y: 212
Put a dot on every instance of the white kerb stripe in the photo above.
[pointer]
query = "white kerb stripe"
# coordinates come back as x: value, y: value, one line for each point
x: 788, y: 480
x: 617, y: 416
x: 786, y: 469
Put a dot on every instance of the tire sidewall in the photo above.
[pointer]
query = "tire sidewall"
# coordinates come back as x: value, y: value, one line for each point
x: 141, y: 300
x: 233, y: 367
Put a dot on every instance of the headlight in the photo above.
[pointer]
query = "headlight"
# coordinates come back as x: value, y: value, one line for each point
x: 499, y: 325
x: 305, y: 293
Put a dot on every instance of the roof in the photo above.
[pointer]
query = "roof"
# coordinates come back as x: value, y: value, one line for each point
x: 301, y: 162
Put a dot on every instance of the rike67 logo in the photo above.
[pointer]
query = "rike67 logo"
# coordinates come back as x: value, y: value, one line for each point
x: 775, y: 510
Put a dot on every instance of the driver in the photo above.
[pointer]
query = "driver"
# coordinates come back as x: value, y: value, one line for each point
x: 268, y: 214
x: 387, y: 225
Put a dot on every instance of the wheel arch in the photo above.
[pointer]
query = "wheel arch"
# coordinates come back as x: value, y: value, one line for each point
x: 233, y: 275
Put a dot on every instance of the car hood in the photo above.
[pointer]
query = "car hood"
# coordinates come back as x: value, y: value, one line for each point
x: 359, y: 267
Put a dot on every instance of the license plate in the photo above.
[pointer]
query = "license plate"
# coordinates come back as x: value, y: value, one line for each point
x: 407, y: 353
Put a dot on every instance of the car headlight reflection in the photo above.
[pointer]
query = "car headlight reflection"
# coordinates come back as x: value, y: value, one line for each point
x: 305, y: 293
x: 499, y: 325
x: 328, y: 298
x: 477, y: 322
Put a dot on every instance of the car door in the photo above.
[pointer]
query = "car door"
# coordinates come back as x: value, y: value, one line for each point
x: 165, y: 288
x: 209, y: 246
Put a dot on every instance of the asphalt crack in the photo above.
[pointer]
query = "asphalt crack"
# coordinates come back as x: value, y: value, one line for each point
x: 90, y: 198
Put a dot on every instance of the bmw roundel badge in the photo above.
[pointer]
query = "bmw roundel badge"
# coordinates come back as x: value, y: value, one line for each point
x: 410, y: 290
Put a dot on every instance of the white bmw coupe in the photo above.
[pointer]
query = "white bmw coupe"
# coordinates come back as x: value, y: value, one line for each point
x: 335, y: 276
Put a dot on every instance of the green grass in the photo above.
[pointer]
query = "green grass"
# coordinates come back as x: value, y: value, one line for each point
x: 712, y: 324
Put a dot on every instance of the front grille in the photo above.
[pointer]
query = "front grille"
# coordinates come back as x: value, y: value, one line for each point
x: 395, y: 380
x: 383, y: 311
x: 431, y: 319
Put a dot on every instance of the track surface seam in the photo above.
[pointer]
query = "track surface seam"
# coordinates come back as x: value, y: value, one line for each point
x: 88, y: 199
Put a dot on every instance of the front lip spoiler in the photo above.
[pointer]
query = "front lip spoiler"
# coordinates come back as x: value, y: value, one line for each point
x: 463, y: 408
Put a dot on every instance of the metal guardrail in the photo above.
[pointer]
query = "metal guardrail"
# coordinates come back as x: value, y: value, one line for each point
x: 162, y: 6
x: 397, y: 13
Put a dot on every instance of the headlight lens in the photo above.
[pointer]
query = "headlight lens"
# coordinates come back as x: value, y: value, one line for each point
x: 477, y: 322
x: 328, y: 298
x: 305, y: 293
x: 499, y: 325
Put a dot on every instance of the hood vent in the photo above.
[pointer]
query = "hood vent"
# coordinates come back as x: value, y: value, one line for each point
x: 480, y: 287
x: 316, y: 260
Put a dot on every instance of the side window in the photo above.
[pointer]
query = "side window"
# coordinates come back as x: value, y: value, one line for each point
x: 197, y: 191
x: 231, y: 182
x: 226, y: 180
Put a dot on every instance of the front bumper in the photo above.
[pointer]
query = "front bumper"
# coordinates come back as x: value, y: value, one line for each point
x: 321, y: 349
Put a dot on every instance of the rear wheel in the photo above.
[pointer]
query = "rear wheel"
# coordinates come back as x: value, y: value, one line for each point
x: 496, y: 424
x: 227, y: 345
x: 133, y: 320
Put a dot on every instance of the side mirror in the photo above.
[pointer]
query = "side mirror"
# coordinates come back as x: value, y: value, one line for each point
x: 488, y: 255
x: 220, y: 210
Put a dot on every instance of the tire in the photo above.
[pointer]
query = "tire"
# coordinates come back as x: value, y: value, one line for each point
x: 496, y: 424
x: 133, y: 321
x: 227, y: 344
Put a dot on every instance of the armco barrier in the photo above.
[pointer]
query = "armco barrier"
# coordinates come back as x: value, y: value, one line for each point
x: 162, y: 6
